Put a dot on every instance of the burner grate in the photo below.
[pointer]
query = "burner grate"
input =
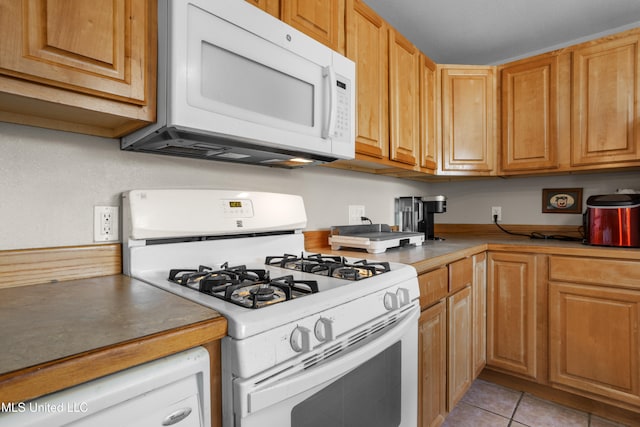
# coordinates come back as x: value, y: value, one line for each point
x: 251, y: 288
x: 329, y: 265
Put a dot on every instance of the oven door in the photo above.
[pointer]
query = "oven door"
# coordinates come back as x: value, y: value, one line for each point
x: 370, y: 383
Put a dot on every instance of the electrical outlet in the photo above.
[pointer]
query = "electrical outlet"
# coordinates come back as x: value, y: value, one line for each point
x: 496, y: 211
x: 356, y: 212
x: 105, y: 223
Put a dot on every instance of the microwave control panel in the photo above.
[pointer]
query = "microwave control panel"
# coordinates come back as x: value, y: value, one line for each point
x: 343, y: 123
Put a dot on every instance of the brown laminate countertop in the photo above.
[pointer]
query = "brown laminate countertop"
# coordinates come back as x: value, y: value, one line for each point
x: 70, y: 332
x: 433, y: 254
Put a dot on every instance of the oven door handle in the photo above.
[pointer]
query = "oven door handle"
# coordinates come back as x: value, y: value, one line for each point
x: 275, y: 390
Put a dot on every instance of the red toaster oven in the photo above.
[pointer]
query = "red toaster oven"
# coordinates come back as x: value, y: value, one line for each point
x: 613, y: 220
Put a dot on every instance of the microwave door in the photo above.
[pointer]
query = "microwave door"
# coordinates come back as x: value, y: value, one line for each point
x: 252, y: 87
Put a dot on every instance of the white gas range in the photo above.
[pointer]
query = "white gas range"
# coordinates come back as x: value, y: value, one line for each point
x: 302, y: 326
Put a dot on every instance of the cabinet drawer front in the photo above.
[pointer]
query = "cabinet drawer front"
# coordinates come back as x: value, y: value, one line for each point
x: 460, y: 274
x: 595, y: 271
x: 433, y: 286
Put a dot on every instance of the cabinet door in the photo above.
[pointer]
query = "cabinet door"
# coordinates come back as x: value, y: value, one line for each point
x: 321, y: 19
x: 516, y: 306
x: 530, y: 115
x: 479, y: 313
x: 468, y: 119
x: 605, y: 103
x: 428, y: 153
x: 460, y: 363
x: 432, y: 351
x: 595, y: 340
x: 404, y: 96
x: 367, y: 46
x: 272, y: 7
x: 93, y: 47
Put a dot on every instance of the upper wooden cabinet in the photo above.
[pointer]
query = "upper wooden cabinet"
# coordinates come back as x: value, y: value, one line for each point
x: 81, y: 66
x: 428, y: 115
x: 324, y: 20
x: 404, y: 96
x: 367, y: 46
x: 606, y: 93
x: 530, y: 114
x: 272, y: 7
x: 468, y: 105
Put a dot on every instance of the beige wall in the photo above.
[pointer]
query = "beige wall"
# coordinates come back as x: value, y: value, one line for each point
x: 50, y: 181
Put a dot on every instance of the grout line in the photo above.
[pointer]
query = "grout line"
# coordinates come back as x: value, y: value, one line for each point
x: 484, y: 410
x: 516, y: 407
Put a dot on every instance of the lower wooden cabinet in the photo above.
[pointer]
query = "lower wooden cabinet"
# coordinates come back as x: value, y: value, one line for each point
x: 448, y: 336
x: 516, y: 314
x: 479, y: 313
x: 594, y: 327
x: 460, y: 362
x: 432, y: 369
x: 553, y: 323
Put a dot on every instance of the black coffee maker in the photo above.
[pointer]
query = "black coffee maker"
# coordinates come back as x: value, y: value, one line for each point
x: 432, y: 205
x: 416, y: 213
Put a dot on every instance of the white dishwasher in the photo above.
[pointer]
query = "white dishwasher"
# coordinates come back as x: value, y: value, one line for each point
x: 174, y: 390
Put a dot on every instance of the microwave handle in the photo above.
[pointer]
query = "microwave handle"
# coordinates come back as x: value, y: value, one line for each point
x: 330, y: 128
x: 283, y: 389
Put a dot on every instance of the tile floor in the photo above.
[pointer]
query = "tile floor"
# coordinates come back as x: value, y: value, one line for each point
x: 490, y: 405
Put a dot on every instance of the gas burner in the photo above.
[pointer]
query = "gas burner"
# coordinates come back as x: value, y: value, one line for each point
x: 209, y: 280
x: 315, y: 263
x: 358, y: 270
x: 328, y: 265
x: 256, y: 295
x: 251, y: 288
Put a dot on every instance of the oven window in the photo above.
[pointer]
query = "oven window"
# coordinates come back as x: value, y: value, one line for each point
x: 368, y: 396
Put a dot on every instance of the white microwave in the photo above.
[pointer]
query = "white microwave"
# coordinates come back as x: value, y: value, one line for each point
x: 236, y: 84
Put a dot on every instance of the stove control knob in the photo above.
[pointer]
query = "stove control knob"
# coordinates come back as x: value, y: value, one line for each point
x: 324, y: 329
x: 390, y: 301
x: 403, y: 296
x: 301, y: 339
